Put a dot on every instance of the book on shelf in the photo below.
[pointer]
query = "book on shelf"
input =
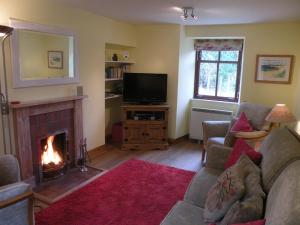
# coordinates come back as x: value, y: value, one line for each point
x: 116, y: 72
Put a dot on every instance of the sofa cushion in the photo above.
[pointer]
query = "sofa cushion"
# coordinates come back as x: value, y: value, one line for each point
x: 200, y: 185
x: 251, y: 206
x: 228, y: 189
x: 242, y: 124
x: 184, y: 213
x: 244, y: 211
x: 283, y: 201
x: 279, y: 149
x: 241, y: 147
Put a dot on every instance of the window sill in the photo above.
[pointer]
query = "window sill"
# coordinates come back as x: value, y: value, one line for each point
x: 214, y: 101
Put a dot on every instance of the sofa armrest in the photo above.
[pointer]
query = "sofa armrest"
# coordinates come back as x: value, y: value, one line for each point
x: 217, y: 156
x: 214, y: 129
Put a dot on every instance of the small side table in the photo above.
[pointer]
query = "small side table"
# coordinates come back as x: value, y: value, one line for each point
x: 254, y: 138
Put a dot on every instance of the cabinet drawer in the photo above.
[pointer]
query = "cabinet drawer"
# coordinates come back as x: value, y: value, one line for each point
x: 133, y: 134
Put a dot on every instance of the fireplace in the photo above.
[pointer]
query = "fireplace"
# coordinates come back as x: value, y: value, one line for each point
x: 47, y: 135
x: 53, y: 156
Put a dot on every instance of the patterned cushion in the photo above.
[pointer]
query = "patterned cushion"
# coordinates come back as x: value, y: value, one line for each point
x: 251, y: 206
x: 228, y: 189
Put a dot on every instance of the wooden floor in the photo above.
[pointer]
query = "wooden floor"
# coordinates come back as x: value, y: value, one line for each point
x: 185, y: 154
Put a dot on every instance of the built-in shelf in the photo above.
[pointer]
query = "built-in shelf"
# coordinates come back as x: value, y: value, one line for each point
x: 113, y: 79
x: 120, y: 62
x: 112, y: 96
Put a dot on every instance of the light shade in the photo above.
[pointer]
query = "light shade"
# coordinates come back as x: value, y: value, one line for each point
x: 280, y: 114
x: 5, y: 30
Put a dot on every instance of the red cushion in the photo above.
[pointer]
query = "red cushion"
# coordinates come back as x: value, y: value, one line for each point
x: 241, y: 147
x: 242, y: 124
x: 256, y: 222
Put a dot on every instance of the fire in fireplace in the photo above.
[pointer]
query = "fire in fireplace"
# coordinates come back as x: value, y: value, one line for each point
x: 53, y: 159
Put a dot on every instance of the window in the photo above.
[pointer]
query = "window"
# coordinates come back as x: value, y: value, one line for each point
x: 218, y: 69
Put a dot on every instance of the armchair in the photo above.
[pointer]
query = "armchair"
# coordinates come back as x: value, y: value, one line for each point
x: 218, y: 132
x: 16, y: 197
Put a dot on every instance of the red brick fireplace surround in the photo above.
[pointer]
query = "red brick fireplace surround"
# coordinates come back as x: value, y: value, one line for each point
x: 38, y: 119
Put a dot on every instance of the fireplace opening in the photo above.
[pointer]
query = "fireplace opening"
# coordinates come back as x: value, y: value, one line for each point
x: 53, y: 156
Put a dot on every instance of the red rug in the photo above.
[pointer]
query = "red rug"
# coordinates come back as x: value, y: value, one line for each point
x: 134, y: 193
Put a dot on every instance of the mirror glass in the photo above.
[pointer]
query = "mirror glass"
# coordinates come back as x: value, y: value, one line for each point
x: 43, y: 55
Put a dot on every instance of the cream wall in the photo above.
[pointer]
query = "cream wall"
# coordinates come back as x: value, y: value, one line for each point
x: 158, y: 52
x: 93, y: 32
x: 185, y: 85
x: 273, y: 38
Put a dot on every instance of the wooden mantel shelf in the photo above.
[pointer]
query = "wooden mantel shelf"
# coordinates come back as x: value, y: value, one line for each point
x: 46, y: 101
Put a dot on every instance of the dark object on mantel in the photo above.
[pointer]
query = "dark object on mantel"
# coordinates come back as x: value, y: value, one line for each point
x: 15, y: 102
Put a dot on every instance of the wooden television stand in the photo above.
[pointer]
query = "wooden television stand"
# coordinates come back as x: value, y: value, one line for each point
x: 145, y: 127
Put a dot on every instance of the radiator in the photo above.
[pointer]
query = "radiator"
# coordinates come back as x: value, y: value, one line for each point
x: 198, y: 115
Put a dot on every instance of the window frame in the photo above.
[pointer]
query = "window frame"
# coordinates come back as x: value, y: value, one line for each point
x: 198, y: 61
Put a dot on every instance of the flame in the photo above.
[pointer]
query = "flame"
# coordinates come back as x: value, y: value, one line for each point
x: 50, y: 155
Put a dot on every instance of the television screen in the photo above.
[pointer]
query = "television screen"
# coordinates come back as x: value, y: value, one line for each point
x: 144, y: 88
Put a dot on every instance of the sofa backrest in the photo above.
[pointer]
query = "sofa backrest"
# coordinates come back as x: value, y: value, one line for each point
x: 279, y: 149
x: 256, y: 113
x: 283, y: 201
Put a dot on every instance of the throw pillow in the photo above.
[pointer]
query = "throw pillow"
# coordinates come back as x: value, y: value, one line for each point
x: 257, y: 222
x: 228, y: 189
x: 251, y: 206
x: 246, y: 210
x: 242, y: 124
x: 241, y: 147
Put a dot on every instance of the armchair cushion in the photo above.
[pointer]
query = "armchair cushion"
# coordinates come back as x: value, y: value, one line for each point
x: 214, y: 129
x: 242, y: 124
x: 215, y: 141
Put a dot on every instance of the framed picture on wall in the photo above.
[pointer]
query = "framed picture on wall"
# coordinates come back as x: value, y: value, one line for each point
x: 274, y: 69
x: 56, y: 59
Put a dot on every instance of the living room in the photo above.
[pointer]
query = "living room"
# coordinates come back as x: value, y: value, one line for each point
x: 161, y: 47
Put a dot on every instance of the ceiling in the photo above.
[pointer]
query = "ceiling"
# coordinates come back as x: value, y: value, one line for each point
x: 208, y: 11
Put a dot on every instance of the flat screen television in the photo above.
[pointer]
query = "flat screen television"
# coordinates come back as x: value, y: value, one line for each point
x: 144, y: 88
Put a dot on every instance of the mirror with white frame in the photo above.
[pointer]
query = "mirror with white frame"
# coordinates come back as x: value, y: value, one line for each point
x: 42, y: 55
